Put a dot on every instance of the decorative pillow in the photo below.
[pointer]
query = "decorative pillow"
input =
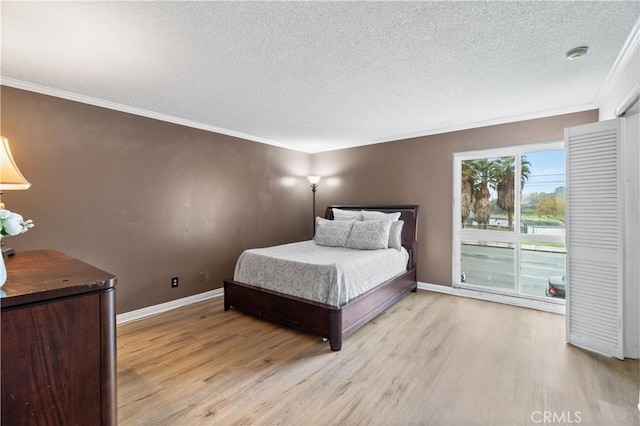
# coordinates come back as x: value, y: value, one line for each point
x: 369, y: 235
x: 374, y: 215
x: 333, y: 233
x: 339, y: 214
x: 395, y: 235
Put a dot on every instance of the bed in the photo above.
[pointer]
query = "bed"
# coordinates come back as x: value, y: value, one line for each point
x: 340, y: 318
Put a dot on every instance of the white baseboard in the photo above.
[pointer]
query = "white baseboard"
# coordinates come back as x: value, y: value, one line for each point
x: 219, y: 292
x: 492, y: 297
x: 167, y: 306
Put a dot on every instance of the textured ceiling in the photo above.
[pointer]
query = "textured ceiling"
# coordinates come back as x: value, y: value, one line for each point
x: 319, y: 75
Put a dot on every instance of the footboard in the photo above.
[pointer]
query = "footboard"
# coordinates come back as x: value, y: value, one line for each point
x: 303, y: 315
x: 316, y: 318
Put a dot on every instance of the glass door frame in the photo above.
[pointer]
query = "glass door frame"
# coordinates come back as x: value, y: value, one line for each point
x: 514, y: 236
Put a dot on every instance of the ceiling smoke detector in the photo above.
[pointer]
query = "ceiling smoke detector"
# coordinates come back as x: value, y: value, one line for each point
x: 577, y: 52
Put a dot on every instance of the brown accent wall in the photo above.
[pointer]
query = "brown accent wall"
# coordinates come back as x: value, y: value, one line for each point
x: 420, y: 171
x: 148, y: 200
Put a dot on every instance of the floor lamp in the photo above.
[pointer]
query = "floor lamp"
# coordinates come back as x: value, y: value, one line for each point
x: 313, y: 180
x: 10, y: 179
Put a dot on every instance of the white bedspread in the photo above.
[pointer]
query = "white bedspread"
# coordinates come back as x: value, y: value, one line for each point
x: 330, y: 275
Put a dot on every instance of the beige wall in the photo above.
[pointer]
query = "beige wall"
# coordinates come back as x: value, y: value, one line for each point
x: 420, y: 171
x: 148, y: 200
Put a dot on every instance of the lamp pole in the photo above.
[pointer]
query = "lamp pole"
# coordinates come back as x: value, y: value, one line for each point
x: 313, y: 180
x: 314, y: 186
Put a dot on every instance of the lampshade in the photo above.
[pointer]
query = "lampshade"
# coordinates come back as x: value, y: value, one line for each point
x: 10, y: 176
x: 313, y: 180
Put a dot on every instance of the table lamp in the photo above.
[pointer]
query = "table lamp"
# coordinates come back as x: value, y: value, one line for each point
x: 10, y: 179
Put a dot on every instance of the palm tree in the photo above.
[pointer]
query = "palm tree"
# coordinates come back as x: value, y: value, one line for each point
x: 504, y: 183
x: 485, y: 176
x: 468, y: 183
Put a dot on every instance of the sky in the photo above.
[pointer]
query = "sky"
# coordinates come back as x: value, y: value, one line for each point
x: 547, y: 171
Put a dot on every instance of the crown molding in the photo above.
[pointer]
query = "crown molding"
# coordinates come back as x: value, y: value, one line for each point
x: 63, y: 94
x: 628, y: 49
x: 468, y: 126
x: 18, y: 84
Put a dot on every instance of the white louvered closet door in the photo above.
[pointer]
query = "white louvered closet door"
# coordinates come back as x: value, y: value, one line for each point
x: 594, y: 211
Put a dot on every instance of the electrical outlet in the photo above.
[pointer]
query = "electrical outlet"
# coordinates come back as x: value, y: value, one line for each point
x: 202, y: 276
x: 174, y: 282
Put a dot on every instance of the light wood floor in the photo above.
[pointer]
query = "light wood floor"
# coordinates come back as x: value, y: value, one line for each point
x: 430, y: 359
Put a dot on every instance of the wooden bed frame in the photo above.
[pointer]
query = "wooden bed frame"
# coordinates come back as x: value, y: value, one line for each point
x: 324, y: 320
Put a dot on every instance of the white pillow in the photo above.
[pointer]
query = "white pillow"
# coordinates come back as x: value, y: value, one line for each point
x: 333, y: 233
x: 395, y: 235
x: 339, y: 214
x: 369, y: 235
x: 373, y: 215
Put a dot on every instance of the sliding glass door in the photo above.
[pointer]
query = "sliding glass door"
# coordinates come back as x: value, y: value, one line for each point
x: 509, y: 233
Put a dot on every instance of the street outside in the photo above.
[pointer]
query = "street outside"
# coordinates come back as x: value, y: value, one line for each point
x: 493, y: 266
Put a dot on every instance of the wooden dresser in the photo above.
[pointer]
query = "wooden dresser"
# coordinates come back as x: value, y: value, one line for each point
x: 57, y: 342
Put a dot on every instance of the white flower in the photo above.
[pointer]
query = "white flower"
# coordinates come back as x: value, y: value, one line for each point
x: 13, y: 223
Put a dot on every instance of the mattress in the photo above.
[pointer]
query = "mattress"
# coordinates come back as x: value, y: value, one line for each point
x: 329, y: 275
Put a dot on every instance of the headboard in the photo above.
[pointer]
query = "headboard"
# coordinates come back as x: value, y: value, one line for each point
x: 408, y: 214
